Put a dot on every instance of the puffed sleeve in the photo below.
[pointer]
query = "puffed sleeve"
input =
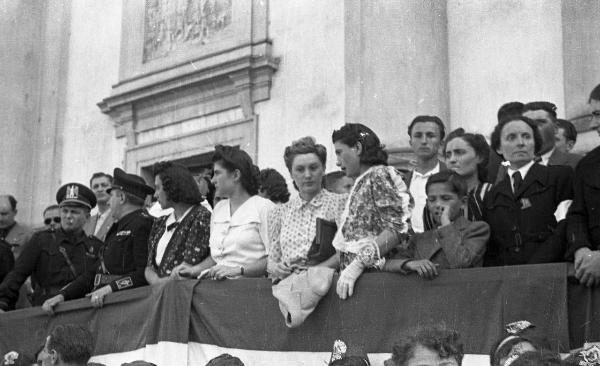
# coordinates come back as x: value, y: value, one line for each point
x: 391, y: 198
x: 274, y: 225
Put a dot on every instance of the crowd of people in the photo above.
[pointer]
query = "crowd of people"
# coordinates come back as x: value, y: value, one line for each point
x: 522, y: 199
x: 521, y: 344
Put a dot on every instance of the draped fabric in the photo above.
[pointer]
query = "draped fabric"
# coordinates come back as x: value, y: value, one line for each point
x: 191, y: 321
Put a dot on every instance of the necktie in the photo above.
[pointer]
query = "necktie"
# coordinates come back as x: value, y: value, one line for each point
x: 517, y: 180
x: 173, y: 226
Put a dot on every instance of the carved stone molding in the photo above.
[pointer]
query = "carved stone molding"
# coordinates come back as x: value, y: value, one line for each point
x: 201, y: 85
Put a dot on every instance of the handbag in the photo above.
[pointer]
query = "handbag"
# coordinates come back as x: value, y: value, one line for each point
x: 299, y: 293
x: 322, y: 245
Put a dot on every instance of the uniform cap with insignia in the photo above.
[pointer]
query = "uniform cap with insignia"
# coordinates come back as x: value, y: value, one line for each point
x: 75, y: 194
x: 130, y: 183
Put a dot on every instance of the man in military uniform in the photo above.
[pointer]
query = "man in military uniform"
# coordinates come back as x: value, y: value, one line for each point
x: 55, y: 258
x: 125, y: 253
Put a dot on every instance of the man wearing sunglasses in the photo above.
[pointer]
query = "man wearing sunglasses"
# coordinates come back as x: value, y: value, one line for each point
x: 583, y: 221
x: 52, y: 218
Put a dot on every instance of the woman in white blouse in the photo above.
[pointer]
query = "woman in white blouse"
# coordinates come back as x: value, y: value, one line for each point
x: 239, y: 243
x: 293, y: 225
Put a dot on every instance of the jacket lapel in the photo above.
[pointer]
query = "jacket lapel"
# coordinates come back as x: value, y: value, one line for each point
x: 536, y: 173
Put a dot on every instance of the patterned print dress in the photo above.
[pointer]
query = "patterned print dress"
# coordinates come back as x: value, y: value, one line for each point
x: 378, y: 201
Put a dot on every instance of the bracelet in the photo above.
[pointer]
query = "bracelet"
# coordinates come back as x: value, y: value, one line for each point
x: 241, y: 270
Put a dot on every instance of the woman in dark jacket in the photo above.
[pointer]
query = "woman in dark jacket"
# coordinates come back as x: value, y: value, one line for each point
x: 526, y: 209
x: 183, y: 235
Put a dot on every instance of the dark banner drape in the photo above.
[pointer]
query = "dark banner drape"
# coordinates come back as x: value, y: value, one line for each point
x: 243, y: 314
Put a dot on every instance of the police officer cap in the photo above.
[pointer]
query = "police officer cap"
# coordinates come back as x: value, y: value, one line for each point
x: 130, y: 183
x: 75, y: 194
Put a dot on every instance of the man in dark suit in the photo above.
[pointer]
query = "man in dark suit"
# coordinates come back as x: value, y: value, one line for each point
x: 583, y: 221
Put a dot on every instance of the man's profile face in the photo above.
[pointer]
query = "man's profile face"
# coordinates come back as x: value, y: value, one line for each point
x: 99, y: 187
x: 72, y: 218
x: 7, y: 214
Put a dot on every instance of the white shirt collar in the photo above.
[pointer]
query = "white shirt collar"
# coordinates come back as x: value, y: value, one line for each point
x: 171, y: 218
x: 523, y: 170
x: 436, y: 169
x: 545, y: 157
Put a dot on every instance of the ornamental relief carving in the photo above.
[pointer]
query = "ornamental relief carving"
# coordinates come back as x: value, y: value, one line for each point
x: 176, y: 24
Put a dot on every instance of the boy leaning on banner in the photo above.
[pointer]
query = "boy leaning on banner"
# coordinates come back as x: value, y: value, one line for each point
x: 455, y: 242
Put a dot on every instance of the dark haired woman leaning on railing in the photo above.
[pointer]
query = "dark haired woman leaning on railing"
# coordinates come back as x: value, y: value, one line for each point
x: 239, y: 241
x: 375, y: 217
x: 182, y: 236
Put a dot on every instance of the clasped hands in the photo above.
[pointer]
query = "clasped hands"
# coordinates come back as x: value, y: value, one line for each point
x: 217, y: 272
x: 587, y: 266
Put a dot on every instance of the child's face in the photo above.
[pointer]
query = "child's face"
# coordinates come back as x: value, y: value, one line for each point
x: 441, y: 199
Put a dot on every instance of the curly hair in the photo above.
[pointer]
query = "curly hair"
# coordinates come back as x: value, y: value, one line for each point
x: 446, y: 343
x: 373, y: 152
x: 274, y: 185
x: 232, y: 158
x: 73, y: 343
x: 479, y: 144
x: 304, y: 145
x: 537, y: 137
x: 178, y: 183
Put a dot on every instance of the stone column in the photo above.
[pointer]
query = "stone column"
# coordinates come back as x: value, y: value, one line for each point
x: 396, y: 64
x: 501, y: 51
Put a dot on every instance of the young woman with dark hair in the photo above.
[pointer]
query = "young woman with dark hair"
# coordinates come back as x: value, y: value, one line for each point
x: 376, y: 214
x: 239, y: 241
x: 182, y: 236
x: 467, y: 154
